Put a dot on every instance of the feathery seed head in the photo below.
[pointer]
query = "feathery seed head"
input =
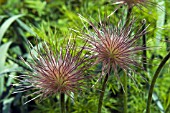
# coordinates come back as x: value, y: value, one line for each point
x: 114, y: 47
x: 62, y: 72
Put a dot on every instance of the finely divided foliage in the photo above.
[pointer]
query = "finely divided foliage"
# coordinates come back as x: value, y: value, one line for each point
x: 114, y: 47
x: 62, y: 72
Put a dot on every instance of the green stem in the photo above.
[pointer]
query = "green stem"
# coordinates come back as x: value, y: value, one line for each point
x: 125, y: 93
x: 102, y: 93
x: 154, y: 80
x: 125, y: 75
x: 62, y: 104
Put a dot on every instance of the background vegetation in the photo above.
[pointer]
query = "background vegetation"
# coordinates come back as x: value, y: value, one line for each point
x: 22, y: 20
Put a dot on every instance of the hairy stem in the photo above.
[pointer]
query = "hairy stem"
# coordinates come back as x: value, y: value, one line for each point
x: 125, y: 92
x: 154, y: 80
x: 62, y: 104
x: 102, y: 93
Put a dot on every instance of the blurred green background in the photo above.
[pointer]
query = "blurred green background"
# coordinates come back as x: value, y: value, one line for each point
x: 22, y: 20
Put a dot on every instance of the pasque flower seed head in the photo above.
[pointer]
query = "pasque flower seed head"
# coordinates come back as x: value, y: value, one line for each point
x: 114, y: 47
x: 53, y: 73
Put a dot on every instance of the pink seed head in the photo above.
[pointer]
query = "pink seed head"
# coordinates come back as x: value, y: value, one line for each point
x: 114, y: 47
x: 62, y: 72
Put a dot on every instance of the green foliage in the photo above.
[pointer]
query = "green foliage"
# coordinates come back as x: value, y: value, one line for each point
x: 51, y: 21
x: 6, y: 24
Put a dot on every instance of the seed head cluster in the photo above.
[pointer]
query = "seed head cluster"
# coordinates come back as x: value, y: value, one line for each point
x: 62, y: 71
